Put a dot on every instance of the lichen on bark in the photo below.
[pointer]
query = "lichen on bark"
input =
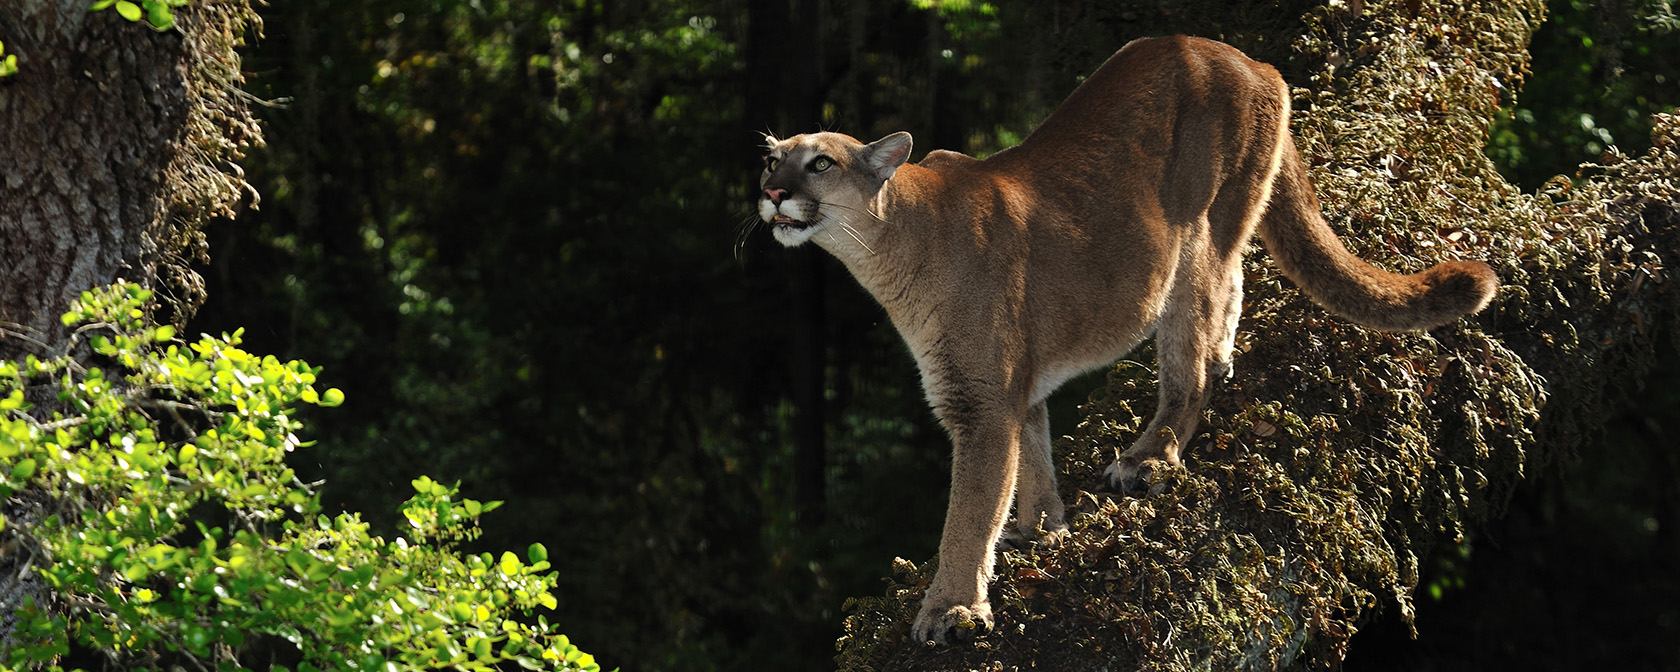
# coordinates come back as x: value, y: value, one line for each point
x: 1336, y: 457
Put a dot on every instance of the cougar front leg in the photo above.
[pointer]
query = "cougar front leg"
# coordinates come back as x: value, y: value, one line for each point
x: 1038, y: 506
x: 983, y: 464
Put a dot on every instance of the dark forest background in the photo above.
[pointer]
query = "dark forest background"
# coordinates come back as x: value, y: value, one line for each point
x: 518, y: 235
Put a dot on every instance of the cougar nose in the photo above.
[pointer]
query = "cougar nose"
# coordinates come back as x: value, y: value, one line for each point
x: 775, y: 195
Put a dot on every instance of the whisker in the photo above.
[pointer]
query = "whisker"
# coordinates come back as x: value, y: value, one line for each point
x: 750, y: 222
x: 862, y: 210
x: 849, y: 229
x: 854, y: 234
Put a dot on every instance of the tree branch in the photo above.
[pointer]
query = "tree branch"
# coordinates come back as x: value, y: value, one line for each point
x: 1336, y: 457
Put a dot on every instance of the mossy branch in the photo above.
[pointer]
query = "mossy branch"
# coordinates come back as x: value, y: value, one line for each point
x: 1337, y: 457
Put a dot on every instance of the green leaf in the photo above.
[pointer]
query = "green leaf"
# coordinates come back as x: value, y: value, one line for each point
x: 158, y: 14
x: 24, y: 469
x: 128, y: 10
x: 102, y: 4
x: 164, y: 333
x: 332, y: 397
x: 510, y: 563
x: 198, y: 639
x: 537, y: 553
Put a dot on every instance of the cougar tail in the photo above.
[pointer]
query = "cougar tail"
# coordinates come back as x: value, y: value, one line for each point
x: 1295, y: 234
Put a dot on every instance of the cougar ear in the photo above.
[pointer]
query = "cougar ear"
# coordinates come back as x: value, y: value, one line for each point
x: 888, y: 153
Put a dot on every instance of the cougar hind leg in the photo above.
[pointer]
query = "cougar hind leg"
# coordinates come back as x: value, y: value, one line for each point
x: 1219, y: 366
x: 1197, y: 330
x: 1193, y: 344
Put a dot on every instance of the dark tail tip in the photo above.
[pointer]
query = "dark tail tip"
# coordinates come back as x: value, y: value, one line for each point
x: 1456, y: 289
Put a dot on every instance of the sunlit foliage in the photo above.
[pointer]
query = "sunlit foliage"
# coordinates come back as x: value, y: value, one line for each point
x: 158, y: 505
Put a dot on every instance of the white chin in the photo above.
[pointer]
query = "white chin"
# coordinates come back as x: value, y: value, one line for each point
x: 790, y: 236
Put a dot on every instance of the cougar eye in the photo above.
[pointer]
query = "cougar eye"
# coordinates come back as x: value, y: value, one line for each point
x: 821, y: 164
x: 770, y: 163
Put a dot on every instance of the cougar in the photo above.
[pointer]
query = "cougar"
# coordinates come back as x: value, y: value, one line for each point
x: 1125, y: 214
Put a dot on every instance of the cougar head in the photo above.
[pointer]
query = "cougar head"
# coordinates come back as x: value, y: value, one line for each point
x: 813, y: 180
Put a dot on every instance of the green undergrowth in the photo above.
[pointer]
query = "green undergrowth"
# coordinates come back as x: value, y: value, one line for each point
x: 148, y: 494
x: 1337, y: 457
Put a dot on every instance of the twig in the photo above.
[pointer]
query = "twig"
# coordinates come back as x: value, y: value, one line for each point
x: 8, y: 330
x: 20, y: 327
x: 175, y: 407
x: 73, y: 421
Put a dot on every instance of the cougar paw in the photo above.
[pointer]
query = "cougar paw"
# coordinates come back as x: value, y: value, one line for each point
x: 951, y: 624
x: 1015, y: 538
x: 1136, y: 478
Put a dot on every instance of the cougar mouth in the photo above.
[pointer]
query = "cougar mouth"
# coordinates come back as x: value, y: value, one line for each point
x: 789, y: 222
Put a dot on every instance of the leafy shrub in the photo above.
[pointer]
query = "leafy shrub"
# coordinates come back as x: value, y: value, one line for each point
x: 153, y: 502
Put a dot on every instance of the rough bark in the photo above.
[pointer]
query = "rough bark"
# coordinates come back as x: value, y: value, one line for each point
x: 1335, y: 457
x: 116, y: 143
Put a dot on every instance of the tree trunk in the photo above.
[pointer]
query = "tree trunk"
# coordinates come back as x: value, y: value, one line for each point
x: 107, y: 138
x: 1335, y: 458
x: 115, y: 146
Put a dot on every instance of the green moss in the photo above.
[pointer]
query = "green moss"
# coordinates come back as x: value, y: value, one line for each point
x: 1336, y: 457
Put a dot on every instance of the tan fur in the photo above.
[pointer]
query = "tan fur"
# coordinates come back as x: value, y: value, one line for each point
x: 1124, y: 214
